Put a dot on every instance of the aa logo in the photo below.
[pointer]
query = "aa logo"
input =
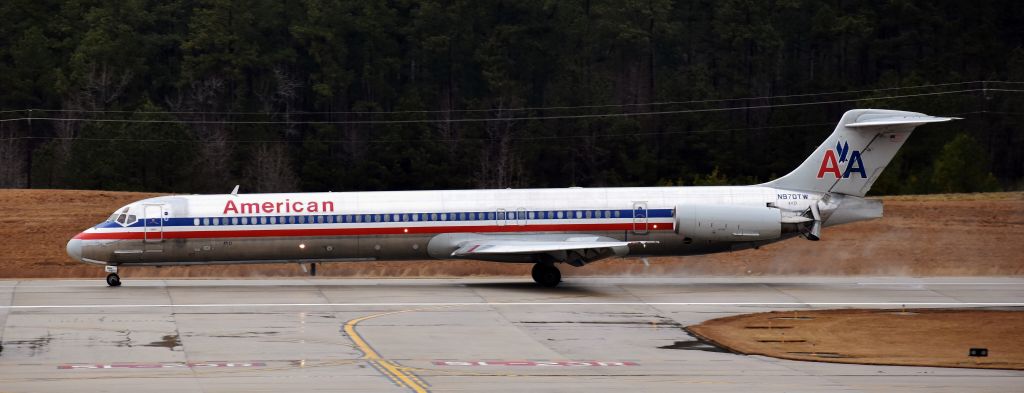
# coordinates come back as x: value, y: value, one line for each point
x: 841, y: 157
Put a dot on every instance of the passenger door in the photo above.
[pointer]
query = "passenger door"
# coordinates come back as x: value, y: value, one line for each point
x: 640, y: 216
x: 153, y: 223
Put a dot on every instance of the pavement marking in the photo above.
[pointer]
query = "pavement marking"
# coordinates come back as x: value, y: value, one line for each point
x: 175, y: 365
x: 532, y: 363
x: 489, y: 304
x: 940, y: 283
x: 398, y: 374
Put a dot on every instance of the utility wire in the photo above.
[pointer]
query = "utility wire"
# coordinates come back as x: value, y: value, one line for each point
x: 529, y: 138
x: 542, y: 108
x: 525, y: 138
x: 510, y: 118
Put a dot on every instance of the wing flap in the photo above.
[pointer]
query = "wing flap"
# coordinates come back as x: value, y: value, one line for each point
x: 502, y: 246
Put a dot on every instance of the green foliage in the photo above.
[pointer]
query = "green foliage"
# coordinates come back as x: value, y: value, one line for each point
x: 714, y: 178
x: 374, y: 65
x: 962, y: 167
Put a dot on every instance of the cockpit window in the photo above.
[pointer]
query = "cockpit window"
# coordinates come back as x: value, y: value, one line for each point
x: 123, y: 216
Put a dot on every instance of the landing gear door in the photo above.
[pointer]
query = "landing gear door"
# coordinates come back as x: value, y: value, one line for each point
x: 640, y: 218
x: 153, y: 223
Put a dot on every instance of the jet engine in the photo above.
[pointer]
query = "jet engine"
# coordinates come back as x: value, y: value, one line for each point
x: 729, y: 223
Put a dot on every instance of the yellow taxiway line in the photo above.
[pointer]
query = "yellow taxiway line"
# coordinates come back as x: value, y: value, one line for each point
x: 399, y: 374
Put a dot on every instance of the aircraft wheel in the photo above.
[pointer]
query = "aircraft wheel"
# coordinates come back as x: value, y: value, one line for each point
x: 113, y: 280
x: 546, y: 275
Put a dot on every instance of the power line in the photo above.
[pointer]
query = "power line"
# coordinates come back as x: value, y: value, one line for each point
x: 529, y: 138
x: 542, y: 108
x: 511, y: 118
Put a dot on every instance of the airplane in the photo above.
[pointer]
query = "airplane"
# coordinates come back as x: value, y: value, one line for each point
x: 544, y: 227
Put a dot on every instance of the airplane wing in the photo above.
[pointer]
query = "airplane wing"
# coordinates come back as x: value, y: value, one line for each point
x: 533, y: 246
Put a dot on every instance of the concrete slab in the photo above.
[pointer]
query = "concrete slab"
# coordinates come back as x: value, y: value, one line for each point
x: 595, y: 334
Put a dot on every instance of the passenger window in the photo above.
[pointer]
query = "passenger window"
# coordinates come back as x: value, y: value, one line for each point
x: 195, y: 222
x: 590, y: 214
x: 560, y: 214
x: 616, y: 213
x: 206, y: 221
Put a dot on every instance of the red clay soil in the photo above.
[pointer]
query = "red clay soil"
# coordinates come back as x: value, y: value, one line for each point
x: 944, y: 235
x: 937, y: 338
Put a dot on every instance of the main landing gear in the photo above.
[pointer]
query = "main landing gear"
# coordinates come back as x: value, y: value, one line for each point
x: 113, y: 279
x: 546, y: 274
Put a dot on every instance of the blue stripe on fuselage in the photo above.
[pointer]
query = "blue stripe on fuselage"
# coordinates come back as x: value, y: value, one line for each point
x: 367, y: 218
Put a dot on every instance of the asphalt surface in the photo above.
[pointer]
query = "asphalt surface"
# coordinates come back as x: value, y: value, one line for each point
x: 612, y: 334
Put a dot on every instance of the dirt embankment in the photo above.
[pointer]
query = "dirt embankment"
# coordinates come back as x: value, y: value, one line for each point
x: 941, y: 338
x: 953, y: 235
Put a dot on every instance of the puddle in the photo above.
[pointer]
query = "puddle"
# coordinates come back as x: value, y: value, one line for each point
x: 35, y: 346
x: 694, y: 345
x: 169, y: 342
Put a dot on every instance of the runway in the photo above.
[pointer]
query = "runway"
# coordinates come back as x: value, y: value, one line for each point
x: 418, y: 335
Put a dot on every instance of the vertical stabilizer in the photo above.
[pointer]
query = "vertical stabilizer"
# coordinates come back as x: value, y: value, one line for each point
x: 853, y: 157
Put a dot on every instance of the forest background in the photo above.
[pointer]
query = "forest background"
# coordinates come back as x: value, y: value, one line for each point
x: 192, y: 96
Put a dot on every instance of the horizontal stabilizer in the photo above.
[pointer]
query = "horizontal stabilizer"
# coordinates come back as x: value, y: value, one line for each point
x: 883, y: 120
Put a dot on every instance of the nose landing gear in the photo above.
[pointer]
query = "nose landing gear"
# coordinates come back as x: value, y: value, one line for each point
x: 112, y: 279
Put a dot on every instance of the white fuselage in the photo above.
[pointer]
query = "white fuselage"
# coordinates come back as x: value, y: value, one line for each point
x: 395, y: 225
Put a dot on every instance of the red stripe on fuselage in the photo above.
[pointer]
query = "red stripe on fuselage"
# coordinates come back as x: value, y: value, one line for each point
x: 243, y: 233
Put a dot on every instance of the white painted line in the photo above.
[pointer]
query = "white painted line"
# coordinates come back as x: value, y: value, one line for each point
x: 502, y: 304
x: 941, y: 283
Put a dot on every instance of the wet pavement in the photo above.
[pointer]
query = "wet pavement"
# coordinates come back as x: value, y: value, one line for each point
x: 593, y: 334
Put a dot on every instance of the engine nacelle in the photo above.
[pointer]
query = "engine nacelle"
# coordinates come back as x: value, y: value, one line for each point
x: 729, y: 223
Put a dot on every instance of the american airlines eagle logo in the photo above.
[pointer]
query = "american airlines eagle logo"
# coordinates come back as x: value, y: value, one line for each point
x: 841, y: 157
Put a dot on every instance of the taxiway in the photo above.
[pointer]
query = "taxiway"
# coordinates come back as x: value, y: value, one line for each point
x: 591, y: 334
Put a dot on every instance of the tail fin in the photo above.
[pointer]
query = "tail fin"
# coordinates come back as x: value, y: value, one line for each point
x: 853, y: 157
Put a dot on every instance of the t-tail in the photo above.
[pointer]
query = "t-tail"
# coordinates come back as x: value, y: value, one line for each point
x: 850, y: 160
x: 853, y: 157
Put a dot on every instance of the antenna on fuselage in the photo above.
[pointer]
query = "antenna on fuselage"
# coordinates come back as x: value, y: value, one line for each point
x: 235, y: 190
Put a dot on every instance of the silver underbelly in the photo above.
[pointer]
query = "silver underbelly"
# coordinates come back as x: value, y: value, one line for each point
x: 332, y: 248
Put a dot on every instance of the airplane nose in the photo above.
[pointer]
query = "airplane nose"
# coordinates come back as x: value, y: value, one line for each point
x: 75, y: 249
